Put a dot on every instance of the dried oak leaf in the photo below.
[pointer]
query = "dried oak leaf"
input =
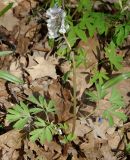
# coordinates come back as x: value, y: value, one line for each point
x: 10, y: 142
x: 91, y: 47
x: 53, y: 147
x: 115, y: 139
x: 99, y: 130
x: 24, y: 7
x: 31, y: 148
x: 91, y: 148
x: 62, y: 98
x: 8, y: 20
x: 44, y: 68
x: 81, y: 129
x: 107, y: 153
x: 22, y: 46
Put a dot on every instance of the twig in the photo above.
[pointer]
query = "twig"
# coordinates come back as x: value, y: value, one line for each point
x: 74, y: 85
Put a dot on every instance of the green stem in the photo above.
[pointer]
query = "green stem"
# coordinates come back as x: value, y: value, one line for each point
x: 74, y: 85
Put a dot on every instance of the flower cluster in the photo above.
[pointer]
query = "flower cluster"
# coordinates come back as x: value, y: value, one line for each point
x: 56, y: 22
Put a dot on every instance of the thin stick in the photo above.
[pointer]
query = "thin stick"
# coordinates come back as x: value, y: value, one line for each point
x: 74, y: 85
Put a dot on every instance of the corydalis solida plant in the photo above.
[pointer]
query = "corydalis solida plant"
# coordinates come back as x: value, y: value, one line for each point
x: 56, y: 24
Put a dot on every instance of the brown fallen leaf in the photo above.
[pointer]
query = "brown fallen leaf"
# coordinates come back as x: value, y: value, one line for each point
x: 74, y: 153
x: 81, y: 80
x: 31, y: 148
x: 107, y: 153
x: 53, y: 147
x: 24, y: 7
x: 15, y: 68
x: 99, y: 130
x: 91, y: 148
x: 81, y: 129
x: 4, y: 95
x: 10, y: 142
x: 22, y: 46
x: 44, y: 68
x: 62, y: 98
x: 8, y: 20
x: 90, y: 48
x: 115, y: 139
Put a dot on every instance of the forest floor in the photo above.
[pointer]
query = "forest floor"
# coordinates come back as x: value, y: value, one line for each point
x: 36, y: 63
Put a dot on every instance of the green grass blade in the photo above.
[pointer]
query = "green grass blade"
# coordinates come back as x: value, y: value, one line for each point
x: 9, y: 6
x: 4, y: 53
x: 9, y: 77
x: 116, y: 80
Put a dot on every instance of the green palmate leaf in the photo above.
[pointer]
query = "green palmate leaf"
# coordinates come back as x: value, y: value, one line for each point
x: 21, y: 123
x: 19, y: 113
x: 42, y: 137
x: 85, y: 4
x: 40, y: 123
x: 12, y: 118
x: 110, y: 120
x: 48, y: 134
x: 128, y: 148
x: 100, y: 92
x: 4, y: 53
x: 120, y: 35
x: 35, y: 110
x: 100, y: 23
x: 120, y: 115
x: 92, y: 96
x: 80, y: 33
x: 18, y: 108
x: 33, y: 100
x: 62, y: 51
x: 99, y: 76
x: 116, y: 99
x: 115, y: 80
x: 24, y: 107
x: 12, y: 111
x: 34, y: 135
x: 9, y: 6
x: 82, y: 23
x: 51, y: 106
x: 122, y: 31
x: 51, y: 42
x: 80, y: 58
x: 91, y: 28
x: 9, y: 77
x: 107, y: 115
x: 115, y: 60
x: 45, y: 104
x: 71, y: 137
x: 116, y: 103
x: 72, y: 37
x: 41, y: 134
x: 127, y: 29
x: 96, y: 22
x: 41, y: 100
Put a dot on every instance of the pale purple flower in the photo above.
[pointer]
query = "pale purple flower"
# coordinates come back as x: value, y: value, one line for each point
x: 56, y: 22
